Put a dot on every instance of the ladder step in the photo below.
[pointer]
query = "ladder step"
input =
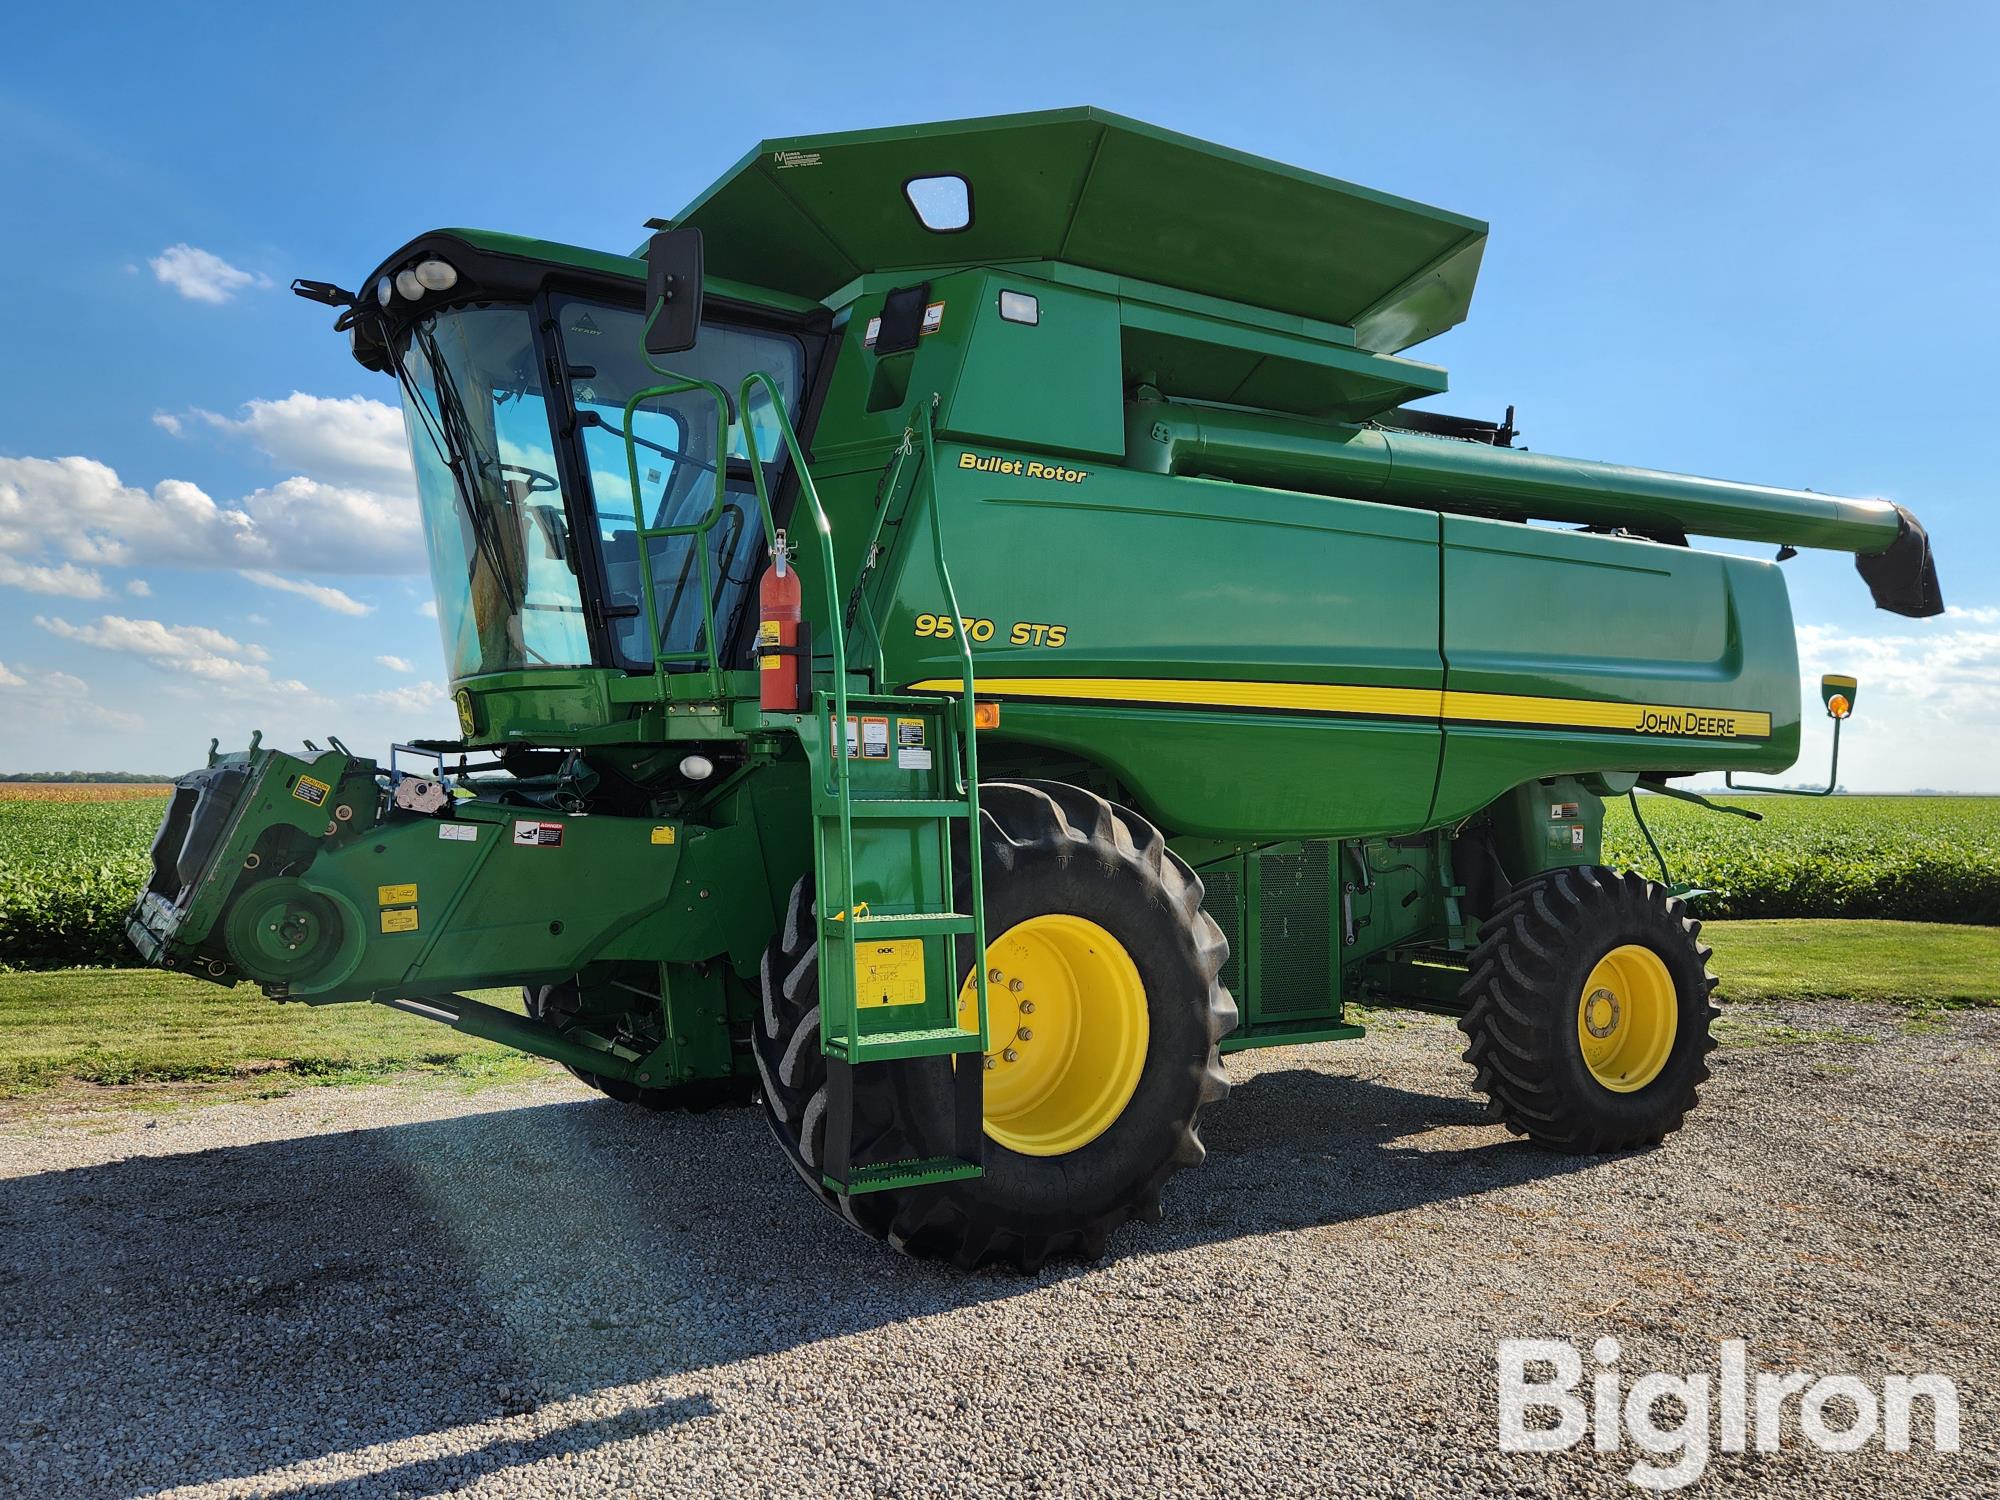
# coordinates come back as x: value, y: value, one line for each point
x: 897, y: 1046
x: 878, y: 1176
x: 914, y: 924
x: 907, y: 807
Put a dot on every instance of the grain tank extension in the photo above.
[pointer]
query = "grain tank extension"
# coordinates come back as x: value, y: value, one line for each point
x: 966, y: 627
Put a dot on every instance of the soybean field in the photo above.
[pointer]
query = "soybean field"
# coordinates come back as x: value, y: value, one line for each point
x: 73, y: 856
x: 1916, y: 859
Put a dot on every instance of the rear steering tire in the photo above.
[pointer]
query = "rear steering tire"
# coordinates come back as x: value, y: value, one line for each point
x: 556, y: 1003
x: 1589, y: 1011
x: 1104, y: 928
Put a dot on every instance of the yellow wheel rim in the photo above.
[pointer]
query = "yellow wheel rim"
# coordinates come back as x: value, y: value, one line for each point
x: 1626, y: 1018
x: 1068, y: 1026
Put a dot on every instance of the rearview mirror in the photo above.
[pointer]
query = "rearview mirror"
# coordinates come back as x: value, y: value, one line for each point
x: 1837, y: 693
x: 673, y: 290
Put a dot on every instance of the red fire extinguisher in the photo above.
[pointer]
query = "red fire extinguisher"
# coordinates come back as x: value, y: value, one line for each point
x: 778, y: 613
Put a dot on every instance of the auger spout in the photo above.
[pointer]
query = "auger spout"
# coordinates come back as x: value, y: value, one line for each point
x: 1891, y: 548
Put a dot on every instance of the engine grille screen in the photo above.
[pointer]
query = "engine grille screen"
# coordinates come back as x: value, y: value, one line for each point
x: 1295, y: 932
x: 1223, y: 900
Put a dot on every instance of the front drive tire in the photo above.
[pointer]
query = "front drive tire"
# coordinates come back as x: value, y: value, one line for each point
x: 1086, y: 900
x: 1589, y: 1011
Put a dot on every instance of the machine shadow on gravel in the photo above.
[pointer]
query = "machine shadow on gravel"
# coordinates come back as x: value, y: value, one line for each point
x: 273, y: 1303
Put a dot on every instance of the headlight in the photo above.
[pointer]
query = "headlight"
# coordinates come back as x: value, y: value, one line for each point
x: 385, y: 290
x: 437, y: 275
x: 409, y: 286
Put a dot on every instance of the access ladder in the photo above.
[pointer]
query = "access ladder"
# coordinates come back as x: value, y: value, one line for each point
x: 895, y: 780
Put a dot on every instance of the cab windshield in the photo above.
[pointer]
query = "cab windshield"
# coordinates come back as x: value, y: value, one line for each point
x: 512, y: 553
x: 492, y: 504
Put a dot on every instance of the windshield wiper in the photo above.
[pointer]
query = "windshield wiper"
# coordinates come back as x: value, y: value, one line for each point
x: 457, y: 446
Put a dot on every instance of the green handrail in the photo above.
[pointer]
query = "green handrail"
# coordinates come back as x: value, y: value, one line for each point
x: 841, y: 900
x: 968, y: 775
x: 698, y: 529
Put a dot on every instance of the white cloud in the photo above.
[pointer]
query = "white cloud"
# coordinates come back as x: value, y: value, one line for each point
x: 1928, y: 707
x: 65, y: 579
x: 1982, y: 614
x: 178, y: 643
x: 1955, y: 670
x: 201, y: 276
x: 190, y: 654
x: 344, y: 439
x: 78, y: 507
x: 167, y: 422
x: 395, y: 663
x: 415, y: 697
x: 138, y: 588
x: 428, y: 609
x: 320, y: 594
x: 54, y: 698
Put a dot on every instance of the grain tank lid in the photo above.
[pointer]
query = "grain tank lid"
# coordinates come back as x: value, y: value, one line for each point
x: 810, y: 214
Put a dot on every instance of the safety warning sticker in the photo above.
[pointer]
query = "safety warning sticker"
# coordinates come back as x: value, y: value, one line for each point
x: 400, y: 919
x: 312, y: 792
x: 538, y: 835
x: 890, y: 973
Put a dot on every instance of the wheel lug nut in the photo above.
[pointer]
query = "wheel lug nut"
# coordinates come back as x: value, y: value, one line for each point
x: 992, y: 1063
x: 1025, y: 1035
x: 1011, y: 1055
x: 994, y: 976
x: 1016, y: 985
x: 1027, y: 1007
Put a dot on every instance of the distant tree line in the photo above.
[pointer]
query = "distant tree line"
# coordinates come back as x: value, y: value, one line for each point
x: 91, y: 776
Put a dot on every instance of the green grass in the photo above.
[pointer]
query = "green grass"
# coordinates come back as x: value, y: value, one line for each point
x: 140, y: 1026
x: 1919, y: 965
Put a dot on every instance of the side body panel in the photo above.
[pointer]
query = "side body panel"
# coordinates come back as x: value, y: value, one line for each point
x: 1251, y: 663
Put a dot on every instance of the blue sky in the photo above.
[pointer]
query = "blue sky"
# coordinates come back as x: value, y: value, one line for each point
x: 1731, y: 240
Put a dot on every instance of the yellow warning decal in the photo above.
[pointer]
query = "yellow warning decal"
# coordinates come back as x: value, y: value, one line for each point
x: 400, y: 919
x: 663, y: 833
x: 312, y: 791
x: 395, y: 895
x: 890, y: 973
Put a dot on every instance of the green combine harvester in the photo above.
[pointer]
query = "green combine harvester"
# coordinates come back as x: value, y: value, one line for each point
x: 965, y: 630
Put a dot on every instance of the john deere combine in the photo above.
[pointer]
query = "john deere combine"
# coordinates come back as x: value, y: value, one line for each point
x: 965, y: 629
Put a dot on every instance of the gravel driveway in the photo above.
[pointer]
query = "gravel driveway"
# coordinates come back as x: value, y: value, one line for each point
x: 399, y: 1290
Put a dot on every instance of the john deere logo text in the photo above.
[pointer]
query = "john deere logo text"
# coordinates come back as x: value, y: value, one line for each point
x: 1690, y: 721
x: 1027, y: 468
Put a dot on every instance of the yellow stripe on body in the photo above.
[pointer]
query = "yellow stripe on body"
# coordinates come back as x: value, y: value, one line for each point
x: 1381, y: 702
x: 1312, y: 697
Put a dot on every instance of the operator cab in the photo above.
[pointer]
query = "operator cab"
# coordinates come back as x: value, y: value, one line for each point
x: 518, y: 373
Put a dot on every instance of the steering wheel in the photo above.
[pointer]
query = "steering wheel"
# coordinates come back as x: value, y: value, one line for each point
x: 538, y: 483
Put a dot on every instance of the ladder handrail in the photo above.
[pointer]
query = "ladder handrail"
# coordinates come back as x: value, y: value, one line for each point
x: 968, y: 773
x: 698, y: 529
x: 839, y: 901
